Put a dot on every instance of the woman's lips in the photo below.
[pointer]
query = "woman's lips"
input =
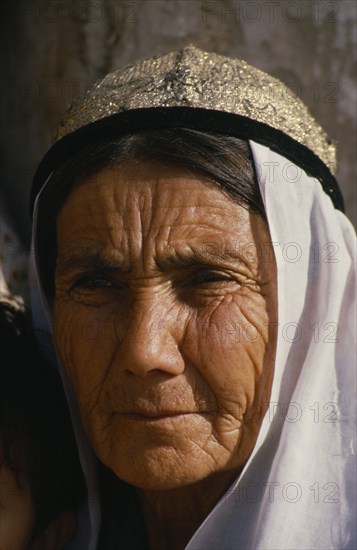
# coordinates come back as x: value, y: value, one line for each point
x: 146, y: 410
x: 141, y: 416
x: 152, y: 417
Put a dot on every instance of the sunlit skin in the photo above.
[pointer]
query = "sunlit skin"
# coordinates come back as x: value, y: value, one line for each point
x: 164, y: 318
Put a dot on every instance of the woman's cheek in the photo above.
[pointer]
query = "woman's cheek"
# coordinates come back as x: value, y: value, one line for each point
x: 229, y: 345
x: 66, y: 333
x: 80, y: 351
x: 79, y: 340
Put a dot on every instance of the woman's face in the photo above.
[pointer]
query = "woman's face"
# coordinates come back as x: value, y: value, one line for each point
x: 164, y: 319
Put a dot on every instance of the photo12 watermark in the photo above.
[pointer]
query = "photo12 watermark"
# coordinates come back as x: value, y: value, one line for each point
x: 268, y: 11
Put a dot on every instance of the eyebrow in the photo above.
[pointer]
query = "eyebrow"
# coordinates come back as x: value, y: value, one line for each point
x: 208, y: 254
x: 88, y: 257
x: 93, y: 259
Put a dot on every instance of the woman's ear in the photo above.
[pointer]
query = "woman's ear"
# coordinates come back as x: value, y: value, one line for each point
x: 57, y: 533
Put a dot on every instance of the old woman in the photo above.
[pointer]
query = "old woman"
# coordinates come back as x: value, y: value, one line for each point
x: 195, y: 270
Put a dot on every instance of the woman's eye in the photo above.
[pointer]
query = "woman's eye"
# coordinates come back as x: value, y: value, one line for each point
x: 92, y: 283
x: 212, y: 277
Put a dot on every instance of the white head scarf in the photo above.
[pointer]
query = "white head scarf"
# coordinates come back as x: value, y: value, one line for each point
x: 297, y: 490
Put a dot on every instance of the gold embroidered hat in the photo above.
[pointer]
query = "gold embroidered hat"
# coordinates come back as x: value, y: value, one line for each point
x: 203, y: 91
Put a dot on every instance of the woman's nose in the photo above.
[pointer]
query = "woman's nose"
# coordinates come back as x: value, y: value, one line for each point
x: 150, y: 340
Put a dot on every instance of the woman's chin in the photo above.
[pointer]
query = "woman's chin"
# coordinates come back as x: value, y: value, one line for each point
x: 155, y: 471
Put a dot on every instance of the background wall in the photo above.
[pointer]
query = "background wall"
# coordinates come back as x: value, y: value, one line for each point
x: 52, y: 49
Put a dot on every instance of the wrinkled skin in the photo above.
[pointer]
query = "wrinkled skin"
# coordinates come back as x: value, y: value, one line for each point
x: 164, y: 320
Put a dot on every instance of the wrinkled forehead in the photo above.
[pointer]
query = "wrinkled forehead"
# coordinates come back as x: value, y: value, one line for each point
x: 121, y: 211
x: 106, y: 186
x: 164, y: 181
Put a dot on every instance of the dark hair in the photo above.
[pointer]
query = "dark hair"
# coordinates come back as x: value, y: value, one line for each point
x: 36, y: 433
x: 225, y: 159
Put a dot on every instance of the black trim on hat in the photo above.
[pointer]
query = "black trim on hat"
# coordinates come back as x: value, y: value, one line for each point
x: 207, y: 120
